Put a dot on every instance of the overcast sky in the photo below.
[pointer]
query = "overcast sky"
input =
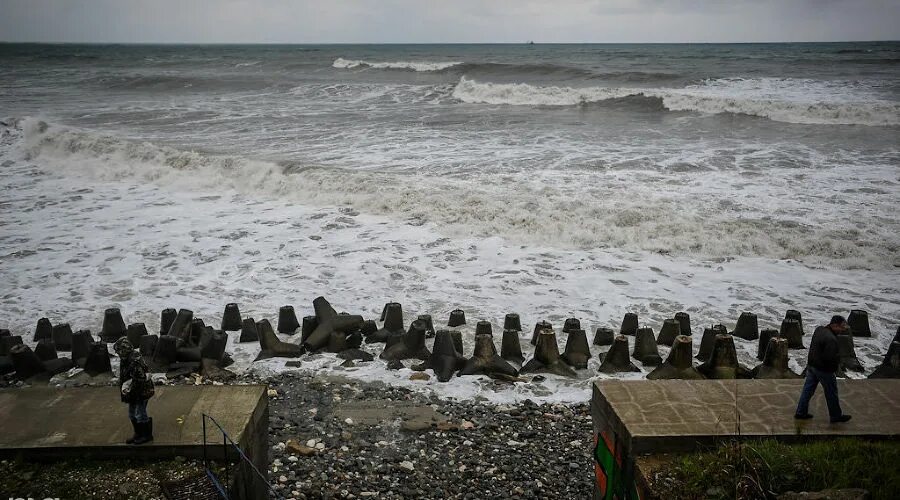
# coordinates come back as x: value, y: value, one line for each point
x: 399, y: 21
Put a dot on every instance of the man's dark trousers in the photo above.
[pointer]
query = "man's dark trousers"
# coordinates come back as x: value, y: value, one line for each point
x: 815, y: 377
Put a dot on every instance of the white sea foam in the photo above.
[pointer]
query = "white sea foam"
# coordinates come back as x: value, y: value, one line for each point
x: 610, y: 210
x: 406, y: 65
x: 93, y: 221
x: 780, y: 99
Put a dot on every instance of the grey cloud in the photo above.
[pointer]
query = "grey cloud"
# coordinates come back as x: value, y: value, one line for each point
x: 387, y: 21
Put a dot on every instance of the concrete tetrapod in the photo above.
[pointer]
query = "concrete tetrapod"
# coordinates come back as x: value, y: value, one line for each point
x: 684, y: 321
x: 483, y: 328
x: 231, y: 318
x: 679, y: 364
x: 287, y: 320
x: 794, y: 314
x: 328, y: 320
x: 134, y: 332
x: 198, y: 327
x: 62, y: 337
x: 617, y: 358
x: 456, y: 335
x: 214, y: 347
x: 511, y: 348
x: 629, y: 324
x: 546, y: 357
x: 181, y: 325
x: 45, y: 350
x: 57, y: 366
x: 429, y: 325
x: 98, y: 361
x: 645, y: 349
x: 859, y: 323
x: 708, y: 341
x: 457, y: 318
x: 538, y: 328
x: 897, y: 335
x: 81, y: 346
x: 164, y: 354
x: 764, y: 337
x: 307, y: 326
x: 25, y: 362
x: 7, y: 343
x: 604, y: 336
x: 411, y: 346
x: 577, y: 353
x: 723, y: 362
x: 393, y: 323
x: 571, y: 325
x: 890, y: 367
x: 747, y: 326
x: 147, y: 347
x: 671, y: 329
x: 271, y: 346
x: 775, y: 363
x: 847, y: 354
x: 166, y: 318
x: 248, y: 331
x: 792, y: 330
x: 486, y: 361
x: 113, y: 325
x: 512, y: 322
x: 445, y: 358
x: 43, y: 330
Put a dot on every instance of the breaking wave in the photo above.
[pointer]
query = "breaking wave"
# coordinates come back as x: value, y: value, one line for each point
x: 636, y: 218
x: 791, y: 101
x: 342, y: 63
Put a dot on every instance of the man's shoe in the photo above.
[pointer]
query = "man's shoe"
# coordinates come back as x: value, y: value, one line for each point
x: 137, y: 432
x: 841, y: 419
x: 805, y: 416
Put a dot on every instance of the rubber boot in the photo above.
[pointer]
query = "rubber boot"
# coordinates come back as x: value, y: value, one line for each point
x: 145, y: 431
x: 136, y: 426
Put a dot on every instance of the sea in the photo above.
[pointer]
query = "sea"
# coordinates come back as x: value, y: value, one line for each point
x: 553, y: 181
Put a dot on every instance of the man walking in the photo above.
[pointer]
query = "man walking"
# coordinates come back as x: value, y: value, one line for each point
x: 822, y: 364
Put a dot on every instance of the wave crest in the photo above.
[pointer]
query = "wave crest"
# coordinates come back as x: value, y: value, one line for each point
x: 425, y: 66
x: 802, y: 102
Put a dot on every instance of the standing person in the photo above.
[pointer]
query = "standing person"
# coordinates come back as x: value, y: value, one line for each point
x: 136, y: 389
x: 821, y: 367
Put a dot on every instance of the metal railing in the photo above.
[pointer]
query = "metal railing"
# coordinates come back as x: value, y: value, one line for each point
x: 224, y: 488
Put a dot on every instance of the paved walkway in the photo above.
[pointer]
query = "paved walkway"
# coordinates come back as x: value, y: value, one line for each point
x: 677, y: 415
x: 50, y: 422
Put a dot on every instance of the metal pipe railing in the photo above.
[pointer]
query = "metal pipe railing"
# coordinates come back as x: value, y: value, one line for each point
x: 225, y: 490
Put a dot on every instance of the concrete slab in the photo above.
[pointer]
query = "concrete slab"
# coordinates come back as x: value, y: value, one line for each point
x: 680, y: 415
x: 43, y: 422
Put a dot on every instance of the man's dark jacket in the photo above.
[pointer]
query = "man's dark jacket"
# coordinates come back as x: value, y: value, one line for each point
x: 823, y: 350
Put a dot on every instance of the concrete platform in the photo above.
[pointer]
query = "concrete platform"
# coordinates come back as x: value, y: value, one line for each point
x: 42, y: 423
x: 680, y: 415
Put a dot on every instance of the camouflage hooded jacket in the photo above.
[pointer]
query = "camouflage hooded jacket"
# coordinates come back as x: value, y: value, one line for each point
x: 135, y: 369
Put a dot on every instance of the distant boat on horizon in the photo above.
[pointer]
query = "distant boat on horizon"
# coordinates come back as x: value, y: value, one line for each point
x: 529, y: 42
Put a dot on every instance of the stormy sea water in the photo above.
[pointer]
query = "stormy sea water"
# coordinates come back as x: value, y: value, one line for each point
x: 554, y: 181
